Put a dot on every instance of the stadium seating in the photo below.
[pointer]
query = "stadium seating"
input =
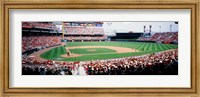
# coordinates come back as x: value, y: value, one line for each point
x: 86, y: 38
x: 85, y: 33
x: 166, y: 38
x: 32, y: 42
x: 84, y: 30
x: 152, y: 64
x: 38, y: 25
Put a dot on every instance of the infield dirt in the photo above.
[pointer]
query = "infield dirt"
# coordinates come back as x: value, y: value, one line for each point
x: 117, y: 49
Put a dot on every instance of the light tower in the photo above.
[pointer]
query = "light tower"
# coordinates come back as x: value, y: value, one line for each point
x: 150, y: 29
x: 170, y: 29
x: 160, y: 28
x: 144, y: 30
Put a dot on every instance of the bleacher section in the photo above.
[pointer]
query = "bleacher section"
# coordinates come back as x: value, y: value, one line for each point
x: 85, y: 34
x: 37, y: 42
x: 84, y: 31
x: 41, y: 25
x: 86, y: 38
x: 38, y: 35
x: 167, y: 38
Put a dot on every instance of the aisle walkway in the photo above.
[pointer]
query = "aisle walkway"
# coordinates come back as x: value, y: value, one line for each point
x: 79, y: 70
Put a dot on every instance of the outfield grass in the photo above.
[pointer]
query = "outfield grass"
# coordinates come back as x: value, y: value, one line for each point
x: 54, y: 53
x: 91, y: 50
x: 143, y: 47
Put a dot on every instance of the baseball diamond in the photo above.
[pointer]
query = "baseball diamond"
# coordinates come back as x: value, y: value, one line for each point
x: 102, y: 52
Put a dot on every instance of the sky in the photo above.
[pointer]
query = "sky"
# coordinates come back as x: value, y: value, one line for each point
x: 120, y: 27
x: 139, y: 26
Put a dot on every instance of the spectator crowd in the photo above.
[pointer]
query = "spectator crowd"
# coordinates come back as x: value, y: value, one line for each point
x: 33, y: 42
x: 43, y: 25
x: 166, y: 38
x: 85, y: 33
x: 161, y: 63
x: 84, y: 30
x: 87, y: 38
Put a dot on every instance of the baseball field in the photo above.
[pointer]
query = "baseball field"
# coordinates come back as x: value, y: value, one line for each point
x: 84, y: 51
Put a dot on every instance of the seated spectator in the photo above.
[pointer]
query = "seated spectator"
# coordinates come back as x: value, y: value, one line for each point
x: 161, y: 63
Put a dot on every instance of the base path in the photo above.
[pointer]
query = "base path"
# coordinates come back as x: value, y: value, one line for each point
x: 117, y: 49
